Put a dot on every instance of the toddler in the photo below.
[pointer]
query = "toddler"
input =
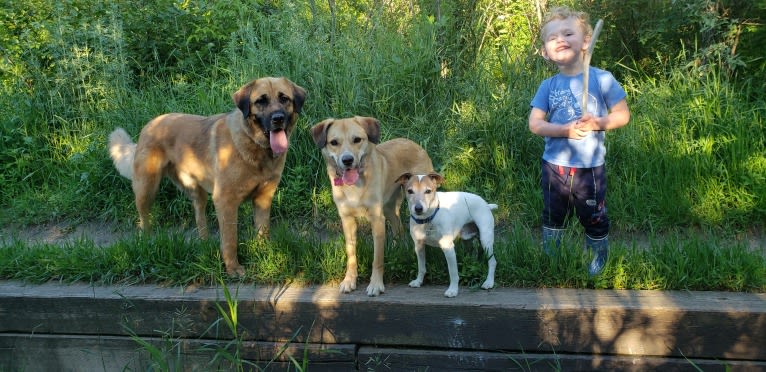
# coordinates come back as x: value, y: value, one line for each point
x: 573, y: 171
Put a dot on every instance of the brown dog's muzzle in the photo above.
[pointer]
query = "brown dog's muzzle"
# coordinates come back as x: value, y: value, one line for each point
x: 277, y: 120
x: 274, y: 127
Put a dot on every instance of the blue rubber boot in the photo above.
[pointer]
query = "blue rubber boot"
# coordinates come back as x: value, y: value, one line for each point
x: 600, y: 249
x: 551, y: 240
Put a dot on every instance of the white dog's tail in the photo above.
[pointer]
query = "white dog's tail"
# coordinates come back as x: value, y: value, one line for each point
x: 123, y: 151
x: 492, y: 207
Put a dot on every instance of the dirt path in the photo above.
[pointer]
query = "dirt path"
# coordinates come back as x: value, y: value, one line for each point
x: 102, y: 234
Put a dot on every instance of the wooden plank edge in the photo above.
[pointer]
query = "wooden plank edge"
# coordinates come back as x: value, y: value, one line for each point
x: 704, y: 325
x: 375, y: 358
x: 77, y: 352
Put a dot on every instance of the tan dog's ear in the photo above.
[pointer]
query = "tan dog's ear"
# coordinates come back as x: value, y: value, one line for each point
x: 404, y: 178
x: 319, y: 132
x: 437, y: 178
x: 371, y: 126
x: 241, y: 98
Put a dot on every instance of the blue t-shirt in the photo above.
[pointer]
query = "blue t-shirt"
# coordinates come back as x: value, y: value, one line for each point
x: 560, y: 96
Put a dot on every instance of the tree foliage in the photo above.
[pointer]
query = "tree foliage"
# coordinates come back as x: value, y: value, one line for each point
x: 164, y: 37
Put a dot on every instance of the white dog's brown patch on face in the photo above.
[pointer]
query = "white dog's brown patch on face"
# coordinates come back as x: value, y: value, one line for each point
x: 420, y: 191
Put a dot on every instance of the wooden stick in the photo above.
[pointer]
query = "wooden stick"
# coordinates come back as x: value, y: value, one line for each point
x: 586, y: 65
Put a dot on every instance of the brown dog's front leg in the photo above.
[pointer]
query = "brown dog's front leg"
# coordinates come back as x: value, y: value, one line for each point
x: 227, y: 223
x: 199, y: 200
x: 262, y: 208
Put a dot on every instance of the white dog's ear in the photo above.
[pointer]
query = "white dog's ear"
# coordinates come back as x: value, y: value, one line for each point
x: 319, y: 132
x: 404, y: 178
x: 437, y: 178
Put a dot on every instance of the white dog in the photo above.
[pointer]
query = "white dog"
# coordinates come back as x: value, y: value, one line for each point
x: 438, y: 218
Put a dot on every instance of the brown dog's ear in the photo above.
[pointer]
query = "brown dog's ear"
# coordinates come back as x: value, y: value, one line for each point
x: 371, y: 126
x: 404, y: 178
x: 319, y: 132
x: 299, y: 96
x: 437, y: 178
x: 241, y: 98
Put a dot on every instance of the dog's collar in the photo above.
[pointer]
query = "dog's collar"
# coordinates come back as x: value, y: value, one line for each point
x: 422, y: 221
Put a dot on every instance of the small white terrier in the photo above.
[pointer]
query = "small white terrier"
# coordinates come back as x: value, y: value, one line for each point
x: 438, y: 218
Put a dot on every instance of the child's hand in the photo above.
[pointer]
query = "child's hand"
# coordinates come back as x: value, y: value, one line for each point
x: 577, y: 131
x: 588, y: 123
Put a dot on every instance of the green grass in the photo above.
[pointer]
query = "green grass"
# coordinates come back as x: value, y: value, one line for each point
x: 692, y: 159
x: 689, y: 261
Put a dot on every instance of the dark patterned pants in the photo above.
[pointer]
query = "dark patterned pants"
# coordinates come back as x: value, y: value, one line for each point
x: 581, y: 191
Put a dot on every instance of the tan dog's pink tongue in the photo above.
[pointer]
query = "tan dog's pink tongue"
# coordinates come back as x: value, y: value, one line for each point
x: 350, y: 176
x: 278, y: 141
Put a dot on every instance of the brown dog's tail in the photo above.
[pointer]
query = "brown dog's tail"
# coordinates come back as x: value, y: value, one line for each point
x: 123, y: 151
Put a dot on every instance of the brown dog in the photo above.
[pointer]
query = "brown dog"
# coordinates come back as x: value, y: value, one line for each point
x: 234, y: 156
x: 364, y: 177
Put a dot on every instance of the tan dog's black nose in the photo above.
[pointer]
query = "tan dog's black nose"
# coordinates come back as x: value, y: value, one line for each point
x: 347, y: 160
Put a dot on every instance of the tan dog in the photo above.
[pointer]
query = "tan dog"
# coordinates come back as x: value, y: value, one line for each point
x: 234, y: 156
x: 438, y: 218
x: 363, y: 174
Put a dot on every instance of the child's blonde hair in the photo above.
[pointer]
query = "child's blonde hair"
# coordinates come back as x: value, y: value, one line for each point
x: 562, y: 12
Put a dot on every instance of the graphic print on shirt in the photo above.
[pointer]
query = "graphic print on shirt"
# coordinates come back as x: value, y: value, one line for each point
x: 563, y: 106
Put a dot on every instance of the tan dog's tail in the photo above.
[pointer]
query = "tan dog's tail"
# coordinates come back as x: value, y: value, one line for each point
x: 123, y: 151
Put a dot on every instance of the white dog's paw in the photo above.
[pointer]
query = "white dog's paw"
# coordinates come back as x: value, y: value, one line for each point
x: 416, y: 283
x: 347, y: 285
x: 375, y: 288
x: 488, y: 284
x: 451, y: 292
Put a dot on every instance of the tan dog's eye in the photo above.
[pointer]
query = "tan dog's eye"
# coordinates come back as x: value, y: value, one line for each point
x: 428, y: 191
x: 284, y: 99
x: 334, y: 142
x: 409, y: 191
x: 357, y: 139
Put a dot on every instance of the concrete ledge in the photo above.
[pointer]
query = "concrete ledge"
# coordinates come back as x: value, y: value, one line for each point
x: 406, y: 328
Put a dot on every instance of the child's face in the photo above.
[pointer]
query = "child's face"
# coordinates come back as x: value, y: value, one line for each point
x: 564, y: 42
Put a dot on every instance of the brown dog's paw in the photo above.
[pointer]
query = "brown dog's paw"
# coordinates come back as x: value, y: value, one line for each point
x: 235, y: 270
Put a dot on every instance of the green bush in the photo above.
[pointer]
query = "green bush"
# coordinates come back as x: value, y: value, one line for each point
x: 456, y: 77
